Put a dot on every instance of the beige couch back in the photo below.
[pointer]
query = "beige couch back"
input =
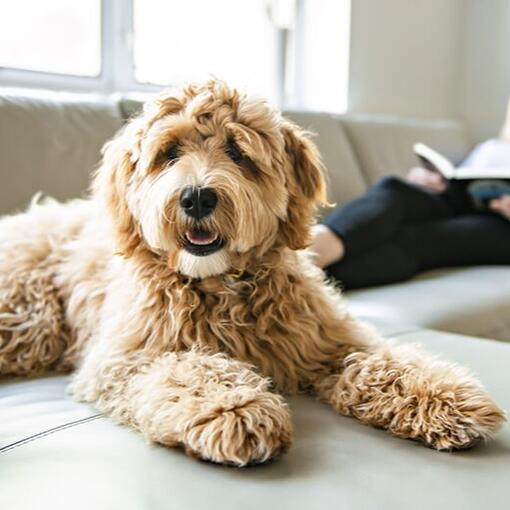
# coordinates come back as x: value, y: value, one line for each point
x: 50, y: 143
x: 384, y: 144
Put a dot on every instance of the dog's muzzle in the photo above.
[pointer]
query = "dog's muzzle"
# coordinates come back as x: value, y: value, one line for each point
x: 198, y: 202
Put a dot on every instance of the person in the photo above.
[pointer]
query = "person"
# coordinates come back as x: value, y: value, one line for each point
x: 401, y: 227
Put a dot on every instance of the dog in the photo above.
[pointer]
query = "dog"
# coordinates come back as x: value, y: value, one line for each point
x: 181, y: 294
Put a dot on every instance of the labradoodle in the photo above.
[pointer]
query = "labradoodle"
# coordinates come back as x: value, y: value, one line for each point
x: 181, y: 296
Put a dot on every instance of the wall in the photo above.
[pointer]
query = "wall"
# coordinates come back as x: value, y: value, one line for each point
x: 487, y: 66
x: 432, y: 58
x: 406, y: 56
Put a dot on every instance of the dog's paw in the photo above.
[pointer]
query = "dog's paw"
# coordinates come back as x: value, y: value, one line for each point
x: 415, y: 396
x: 241, y: 429
x: 457, y: 424
x: 448, y: 416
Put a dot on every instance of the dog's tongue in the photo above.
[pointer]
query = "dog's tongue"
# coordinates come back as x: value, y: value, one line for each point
x: 202, y: 237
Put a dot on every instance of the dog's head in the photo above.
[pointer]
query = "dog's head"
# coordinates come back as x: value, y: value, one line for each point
x: 209, y: 176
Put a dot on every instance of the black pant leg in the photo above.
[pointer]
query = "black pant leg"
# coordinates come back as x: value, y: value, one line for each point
x: 377, y: 216
x: 458, y: 198
x: 469, y: 239
x: 384, y: 264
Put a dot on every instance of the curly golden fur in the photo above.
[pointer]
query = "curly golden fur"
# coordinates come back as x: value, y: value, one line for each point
x: 188, y: 320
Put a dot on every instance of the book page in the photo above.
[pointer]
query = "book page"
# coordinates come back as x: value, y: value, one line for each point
x: 436, y: 160
x: 482, y: 173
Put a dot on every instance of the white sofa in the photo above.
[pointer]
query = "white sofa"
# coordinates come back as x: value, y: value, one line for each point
x: 56, y: 453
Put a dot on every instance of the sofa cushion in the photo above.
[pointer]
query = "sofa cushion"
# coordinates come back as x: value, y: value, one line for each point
x: 472, y: 301
x: 92, y: 463
x: 50, y: 142
x: 384, y: 144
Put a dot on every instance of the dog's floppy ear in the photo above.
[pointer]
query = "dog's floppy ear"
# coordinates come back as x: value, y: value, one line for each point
x: 305, y: 183
x: 110, y: 185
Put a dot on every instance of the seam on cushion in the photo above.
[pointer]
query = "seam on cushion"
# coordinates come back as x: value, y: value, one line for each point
x: 48, y: 432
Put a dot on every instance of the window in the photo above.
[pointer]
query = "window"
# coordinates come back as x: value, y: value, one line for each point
x: 295, y: 52
x: 322, y: 53
x: 240, y: 45
x: 55, y: 36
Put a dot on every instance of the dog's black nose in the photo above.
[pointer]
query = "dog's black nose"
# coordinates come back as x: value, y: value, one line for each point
x: 198, y: 202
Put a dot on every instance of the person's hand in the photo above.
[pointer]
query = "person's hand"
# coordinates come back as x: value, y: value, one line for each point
x: 431, y: 181
x: 501, y: 206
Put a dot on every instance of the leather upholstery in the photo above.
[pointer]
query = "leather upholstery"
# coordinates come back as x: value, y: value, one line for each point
x: 471, y: 301
x: 82, y: 463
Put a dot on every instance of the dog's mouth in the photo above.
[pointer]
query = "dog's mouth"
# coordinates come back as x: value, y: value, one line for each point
x: 202, y: 242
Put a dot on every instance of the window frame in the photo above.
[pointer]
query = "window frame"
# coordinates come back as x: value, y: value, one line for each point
x: 117, y: 66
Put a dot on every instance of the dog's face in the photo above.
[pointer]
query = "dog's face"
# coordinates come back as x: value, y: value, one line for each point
x: 208, y: 176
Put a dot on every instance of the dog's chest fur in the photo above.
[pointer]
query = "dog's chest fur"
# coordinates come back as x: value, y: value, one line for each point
x: 268, y: 321
x: 271, y: 319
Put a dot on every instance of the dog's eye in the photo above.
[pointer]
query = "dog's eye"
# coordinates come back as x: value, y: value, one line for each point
x: 233, y: 151
x: 172, y: 153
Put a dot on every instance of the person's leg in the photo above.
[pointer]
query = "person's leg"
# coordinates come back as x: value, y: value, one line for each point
x: 387, y: 263
x: 465, y: 240
x: 375, y: 217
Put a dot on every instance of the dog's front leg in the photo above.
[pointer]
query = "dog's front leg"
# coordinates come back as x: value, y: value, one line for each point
x: 219, y: 409
x: 413, y: 395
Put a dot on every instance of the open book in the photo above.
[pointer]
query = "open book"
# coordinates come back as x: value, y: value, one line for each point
x: 433, y: 160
